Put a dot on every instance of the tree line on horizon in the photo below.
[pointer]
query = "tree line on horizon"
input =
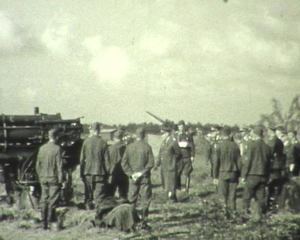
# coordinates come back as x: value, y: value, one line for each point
x: 289, y: 119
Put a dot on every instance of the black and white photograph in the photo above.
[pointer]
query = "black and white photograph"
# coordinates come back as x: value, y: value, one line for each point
x: 149, y: 119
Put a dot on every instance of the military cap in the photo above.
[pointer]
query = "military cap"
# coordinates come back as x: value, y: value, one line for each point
x: 166, y: 127
x: 245, y: 129
x: 122, y: 128
x: 280, y: 128
x: 259, y: 129
x: 95, y: 126
x: 140, y: 131
x: 54, y: 132
x: 272, y: 128
x: 181, y: 122
x: 215, y: 128
x: 226, y: 131
x: 118, y: 134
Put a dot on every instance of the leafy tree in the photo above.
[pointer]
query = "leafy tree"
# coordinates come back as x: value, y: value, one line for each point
x: 290, y: 119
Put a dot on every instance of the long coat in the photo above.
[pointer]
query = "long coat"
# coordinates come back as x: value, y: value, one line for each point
x: 92, y: 158
x: 168, y: 156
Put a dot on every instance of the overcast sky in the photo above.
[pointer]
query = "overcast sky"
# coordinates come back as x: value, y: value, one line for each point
x: 110, y: 61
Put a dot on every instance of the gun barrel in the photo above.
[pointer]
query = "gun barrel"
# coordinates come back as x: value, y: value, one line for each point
x: 156, y: 117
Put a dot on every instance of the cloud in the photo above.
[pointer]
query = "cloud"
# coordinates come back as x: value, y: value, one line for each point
x: 110, y: 64
x: 93, y: 44
x: 160, y: 38
x: 10, y: 39
x: 58, y: 35
x: 155, y: 44
x: 15, y: 36
x: 29, y: 94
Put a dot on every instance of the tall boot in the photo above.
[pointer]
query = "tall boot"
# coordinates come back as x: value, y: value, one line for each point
x: 144, y: 219
x: 178, y: 183
x: 172, y: 197
x: 187, y: 184
x: 44, y: 217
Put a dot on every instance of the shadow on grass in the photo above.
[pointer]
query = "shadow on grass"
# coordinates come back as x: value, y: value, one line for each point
x: 155, y: 186
x: 206, y: 194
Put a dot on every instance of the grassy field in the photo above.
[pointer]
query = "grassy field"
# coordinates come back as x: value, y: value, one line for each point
x: 198, y: 215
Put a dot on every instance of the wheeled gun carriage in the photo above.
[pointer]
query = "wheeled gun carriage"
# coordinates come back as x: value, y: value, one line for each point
x: 20, y: 139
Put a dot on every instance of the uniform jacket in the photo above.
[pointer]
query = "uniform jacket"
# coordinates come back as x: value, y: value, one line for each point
x: 257, y: 160
x: 115, y: 154
x: 138, y: 157
x: 168, y: 155
x: 49, y: 165
x: 244, y: 146
x: 292, y: 151
x: 92, y: 158
x: 227, y: 157
x: 188, y: 151
x: 277, y: 148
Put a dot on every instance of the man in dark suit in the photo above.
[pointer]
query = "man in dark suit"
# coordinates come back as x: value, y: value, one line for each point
x: 227, y: 169
x: 49, y: 168
x: 168, y: 156
x: 93, y: 169
x: 137, y: 163
x: 256, y: 171
x: 187, y: 147
x: 118, y: 179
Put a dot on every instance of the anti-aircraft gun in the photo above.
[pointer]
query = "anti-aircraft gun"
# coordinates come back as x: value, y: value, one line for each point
x: 168, y: 122
x: 20, y: 139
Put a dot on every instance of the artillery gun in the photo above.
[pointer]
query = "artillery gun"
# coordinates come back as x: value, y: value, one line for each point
x: 168, y: 122
x: 20, y: 139
x: 171, y: 124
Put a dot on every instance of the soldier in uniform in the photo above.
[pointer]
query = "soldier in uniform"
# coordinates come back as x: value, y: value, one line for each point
x: 93, y: 169
x: 137, y: 163
x: 280, y: 132
x: 255, y: 171
x: 187, y: 147
x: 168, y: 156
x: 208, y: 151
x: 118, y: 179
x: 49, y: 168
x: 227, y: 169
x: 277, y: 166
x: 213, y: 140
x: 292, y: 150
x: 246, y: 138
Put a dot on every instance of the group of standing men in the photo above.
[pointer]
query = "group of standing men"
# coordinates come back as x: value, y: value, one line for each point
x: 266, y: 162
x: 105, y: 168
x: 126, y: 167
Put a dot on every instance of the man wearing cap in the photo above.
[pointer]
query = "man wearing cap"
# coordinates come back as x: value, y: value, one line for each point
x: 277, y: 166
x: 246, y: 138
x: 227, y: 169
x: 213, y: 141
x: 292, y: 150
x: 280, y: 132
x: 118, y: 179
x: 93, y: 167
x: 137, y: 163
x: 187, y: 149
x: 168, y: 155
x: 49, y: 168
x: 255, y: 171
